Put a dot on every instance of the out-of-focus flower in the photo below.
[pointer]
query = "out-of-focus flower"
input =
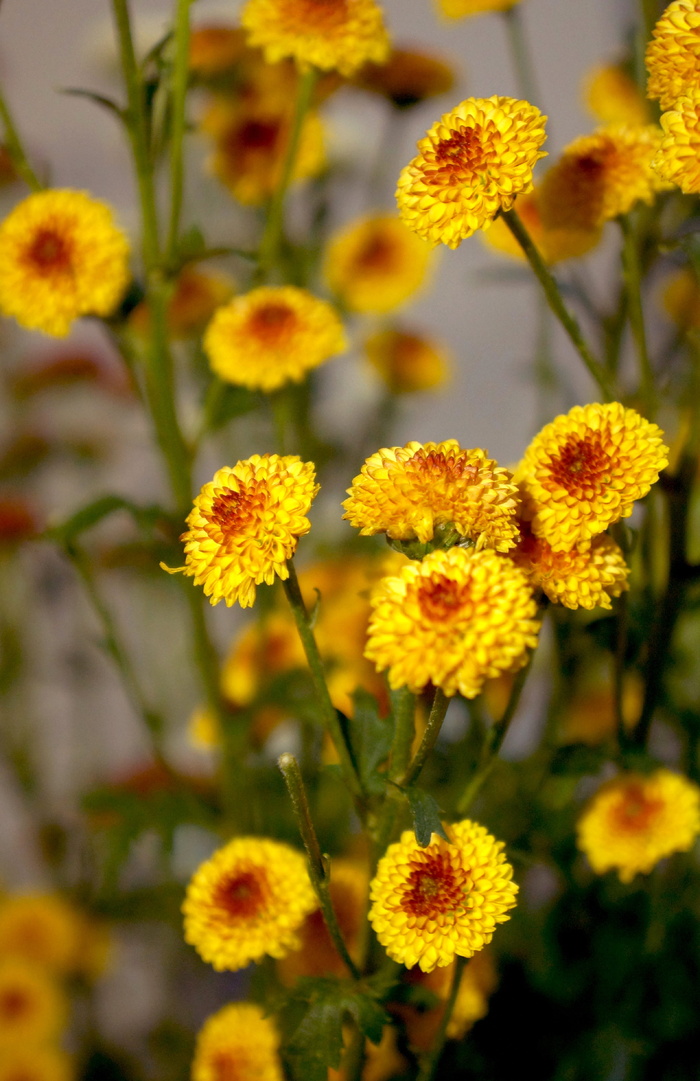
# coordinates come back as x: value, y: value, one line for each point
x: 431, y: 905
x: 476, y: 985
x: 677, y: 160
x: 458, y: 9
x: 18, y: 520
x: 41, y: 928
x: 471, y: 164
x: 416, y: 491
x: 317, y: 956
x: 407, y: 362
x: 239, y: 1042
x: 382, y: 1061
x: 339, y: 35
x: 553, y: 243
x: 672, y: 54
x: 245, y: 525
x: 263, y: 650
x: 197, y: 295
x: 613, y: 97
x: 634, y: 821
x: 589, y: 716
x: 272, y: 335
x: 599, y: 177
x: 584, y: 471
x: 407, y: 77
x: 61, y: 257
x: 456, y: 619
x: 681, y: 299
x: 215, y: 48
x: 32, y: 1007
x: 36, y: 1063
x: 66, y: 366
x: 376, y: 264
x: 248, y: 901
x: 250, y: 147
x: 585, y: 577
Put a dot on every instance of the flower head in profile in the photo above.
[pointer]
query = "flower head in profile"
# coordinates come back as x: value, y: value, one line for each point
x: 613, y: 97
x: 673, y: 54
x: 407, y: 77
x: 585, y: 577
x: 600, y: 176
x: 584, y: 471
x: 39, y: 1062
x: 41, y: 928
x: 247, y: 901
x: 459, y: 9
x: 431, y: 905
x: 61, y: 256
x: 408, y: 363
x: 245, y: 525
x: 677, y: 158
x: 337, y: 35
x: 413, y: 491
x: 634, y: 821
x: 471, y: 164
x: 239, y: 1042
x: 271, y: 336
x: 32, y: 1007
x: 375, y: 264
x: 455, y: 619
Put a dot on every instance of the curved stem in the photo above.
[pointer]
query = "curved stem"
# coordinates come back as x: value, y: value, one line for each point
x: 432, y: 1058
x: 554, y: 299
x: 15, y: 148
x: 633, y: 284
x: 404, y: 702
x: 430, y: 736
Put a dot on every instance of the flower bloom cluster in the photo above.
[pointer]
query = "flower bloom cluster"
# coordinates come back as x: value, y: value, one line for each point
x: 61, y: 257
x: 456, y: 619
x: 239, y: 1042
x: 673, y: 62
x: 272, y: 335
x: 245, y: 525
x: 430, y: 905
x: 248, y: 901
x: 336, y: 35
x: 471, y: 164
x: 634, y: 821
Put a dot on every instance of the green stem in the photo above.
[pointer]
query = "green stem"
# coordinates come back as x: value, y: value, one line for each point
x: 318, y: 677
x: 621, y: 638
x: 429, y: 1063
x: 179, y: 81
x: 270, y: 243
x: 554, y: 299
x: 404, y: 702
x: 430, y: 736
x: 318, y: 864
x: 633, y: 283
x: 16, y: 150
x: 524, y: 68
x: 494, y: 741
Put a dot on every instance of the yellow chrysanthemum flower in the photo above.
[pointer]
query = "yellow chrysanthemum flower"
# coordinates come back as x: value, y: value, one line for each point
x: 613, y: 97
x: 32, y: 1008
x: 458, y: 9
x: 245, y: 525
x: 407, y: 77
x: 456, y: 619
x: 413, y: 491
x: 239, y: 1042
x: 585, y: 577
x: 376, y: 264
x: 634, y: 821
x: 197, y: 295
x: 430, y: 905
x: 215, y: 48
x: 471, y: 164
x: 41, y: 928
x: 271, y: 336
x: 407, y: 362
x: 248, y: 901
x: 475, y: 987
x: 317, y: 956
x: 553, y: 243
x: 250, y: 147
x: 339, y: 35
x: 61, y: 256
x: 677, y: 160
x: 584, y: 471
x: 36, y: 1063
x: 600, y: 176
x: 673, y: 54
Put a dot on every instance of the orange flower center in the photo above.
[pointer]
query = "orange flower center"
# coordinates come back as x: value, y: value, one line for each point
x: 442, y: 598
x: 227, y: 1066
x: 581, y: 464
x: 251, y: 137
x: 434, y: 886
x: 448, y: 468
x: 378, y: 253
x: 49, y: 251
x: 271, y: 323
x: 234, y: 513
x: 635, y: 811
x: 460, y: 157
x: 14, y: 1004
x: 316, y: 16
x: 242, y: 895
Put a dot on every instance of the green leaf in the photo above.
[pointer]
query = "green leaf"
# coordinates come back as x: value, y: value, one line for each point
x: 426, y: 816
x: 90, y: 515
x: 99, y: 99
x: 370, y: 737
